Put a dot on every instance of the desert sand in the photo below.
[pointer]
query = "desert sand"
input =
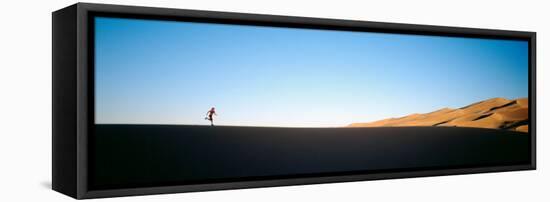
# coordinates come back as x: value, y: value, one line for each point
x: 495, y: 113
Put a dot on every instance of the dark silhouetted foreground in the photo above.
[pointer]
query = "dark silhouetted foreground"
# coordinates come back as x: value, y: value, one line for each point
x: 144, y: 155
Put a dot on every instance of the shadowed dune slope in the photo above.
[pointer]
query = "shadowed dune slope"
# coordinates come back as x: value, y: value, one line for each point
x: 495, y: 113
x: 124, y: 156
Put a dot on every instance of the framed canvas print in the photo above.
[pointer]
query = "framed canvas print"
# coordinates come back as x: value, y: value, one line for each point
x: 156, y: 100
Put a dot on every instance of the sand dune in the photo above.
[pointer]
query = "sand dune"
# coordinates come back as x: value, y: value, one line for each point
x: 496, y: 113
x: 141, y: 155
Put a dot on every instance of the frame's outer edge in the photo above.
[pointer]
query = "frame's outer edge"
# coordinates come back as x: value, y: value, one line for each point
x: 64, y: 145
x: 533, y: 99
x: 296, y: 181
x: 80, y: 55
x: 83, y: 84
x: 309, y: 22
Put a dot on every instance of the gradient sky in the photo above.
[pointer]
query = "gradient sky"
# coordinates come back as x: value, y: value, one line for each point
x: 164, y: 72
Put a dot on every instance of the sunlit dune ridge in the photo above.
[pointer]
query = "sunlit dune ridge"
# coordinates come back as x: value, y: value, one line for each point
x: 495, y: 113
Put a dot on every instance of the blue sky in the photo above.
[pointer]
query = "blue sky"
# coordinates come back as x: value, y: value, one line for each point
x: 165, y: 72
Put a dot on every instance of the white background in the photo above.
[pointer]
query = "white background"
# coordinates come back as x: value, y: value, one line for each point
x: 25, y: 100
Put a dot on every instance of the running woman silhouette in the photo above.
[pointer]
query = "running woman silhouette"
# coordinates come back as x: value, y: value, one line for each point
x: 209, y: 115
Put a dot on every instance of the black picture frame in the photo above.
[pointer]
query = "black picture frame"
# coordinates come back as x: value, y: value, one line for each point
x: 73, y: 93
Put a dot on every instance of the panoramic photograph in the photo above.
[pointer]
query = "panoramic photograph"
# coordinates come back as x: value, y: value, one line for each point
x: 192, y: 102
